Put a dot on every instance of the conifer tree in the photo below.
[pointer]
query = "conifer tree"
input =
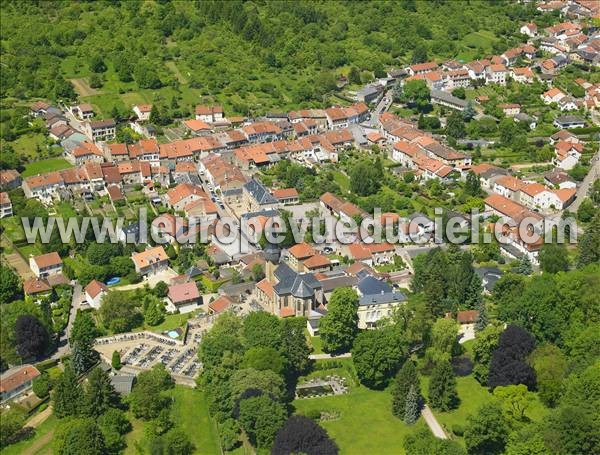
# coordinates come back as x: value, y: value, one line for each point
x: 442, y: 388
x: 411, y: 411
x: 406, y: 378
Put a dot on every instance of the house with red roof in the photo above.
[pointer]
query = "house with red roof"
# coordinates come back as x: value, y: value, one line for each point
x: 567, y: 155
x: 184, y: 295
x: 17, y: 381
x: 142, y: 111
x: 46, y: 265
x: 94, y: 292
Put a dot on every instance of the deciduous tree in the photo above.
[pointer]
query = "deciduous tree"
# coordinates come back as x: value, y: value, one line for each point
x: 377, y: 355
x: 339, y: 326
x: 31, y: 337
x: 261, y: 418
x: 301, y: 435
x: 487, y: 431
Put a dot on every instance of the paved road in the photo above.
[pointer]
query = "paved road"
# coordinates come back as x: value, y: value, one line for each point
x: 587, y: 183
x: 432, y: 423
x: 346, y: 355
x: 63, y: 344
x: 383, y: 105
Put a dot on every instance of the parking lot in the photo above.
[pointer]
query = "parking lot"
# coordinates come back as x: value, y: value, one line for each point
x: 143, y: 350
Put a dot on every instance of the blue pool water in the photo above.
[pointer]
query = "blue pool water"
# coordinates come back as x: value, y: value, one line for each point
x: 173, y: 334
x: 113, y: 280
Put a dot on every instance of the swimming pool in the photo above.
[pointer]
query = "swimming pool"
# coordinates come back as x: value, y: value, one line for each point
x: 173, y: 333
x: 113, y: 280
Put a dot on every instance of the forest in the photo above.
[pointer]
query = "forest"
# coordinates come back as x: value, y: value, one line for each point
x: 249, y: 56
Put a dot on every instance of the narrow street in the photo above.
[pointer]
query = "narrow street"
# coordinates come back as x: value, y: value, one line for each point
x: 587, y: 183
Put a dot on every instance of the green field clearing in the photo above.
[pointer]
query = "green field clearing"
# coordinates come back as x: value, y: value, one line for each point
x: 190, y: 413
x: 49, y: 165
x: 480, y: 39
x: 342, y: 180
x: 40, y: 443
x: 26, y: 145
x: 31, y: 249
x: 472, y: 396
x: 366, y: 423
x: 13, y: 229
x: 172, y: 321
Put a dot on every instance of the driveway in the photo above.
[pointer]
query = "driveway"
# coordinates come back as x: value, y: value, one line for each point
x: 152, y: 280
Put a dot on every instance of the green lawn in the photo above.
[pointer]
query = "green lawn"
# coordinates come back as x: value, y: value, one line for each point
x: 365, y: 423
x: 172, y: 321
x: 65, y: 210
x: 316, y: 344
x: 27, y: 144
x: 40, y: 442
x: 472, y: 396
x: 13, y: 228
x: 342, y: 180
x: 29, y: 249
x: 190, y: 413
x: 40, y: 167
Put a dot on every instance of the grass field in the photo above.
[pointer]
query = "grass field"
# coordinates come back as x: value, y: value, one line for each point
x: 316, y: 344
x: 365, y: 423
x: 172, y: 321
x: 49, y: 165
x: 27, y: 144
x: 472, y: 396
x: 190, y: 413
x: 40, y: 443
x: 13, y: 228
x: 342, y: 180
x: 474, y: 41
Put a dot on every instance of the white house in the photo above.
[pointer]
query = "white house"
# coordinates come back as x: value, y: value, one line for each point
x: 94, y: 292
x: 568, y: 154
x: 46, y: 265
x: 530, y: 30
x: 142, y: 111
x: 496, y: 74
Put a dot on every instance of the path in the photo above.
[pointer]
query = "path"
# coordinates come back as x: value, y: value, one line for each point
x: 587, y: 183
x: 39, y: 418
x: 37, y: 446
x: 83, y: 88
x: 346, y: 355
x: 152, y: 280
x: 432, y: 423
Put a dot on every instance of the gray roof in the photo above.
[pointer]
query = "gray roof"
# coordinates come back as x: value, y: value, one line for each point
x: 448, y: 98
x: 335, y: 282
x: 370, y: 285
x: 122, y: 383
x: 368, y: 90
x: 569, y: 119
x: 489, y: 276
x: 380, y: 299
x: 259, y: 192
x: 301, y: 285
x: 493, y: 172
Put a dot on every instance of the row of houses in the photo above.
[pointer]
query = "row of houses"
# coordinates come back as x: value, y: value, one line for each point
x: 532, y: 195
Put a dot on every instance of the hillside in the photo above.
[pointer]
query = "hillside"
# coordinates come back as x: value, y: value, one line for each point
x: 251, y: 57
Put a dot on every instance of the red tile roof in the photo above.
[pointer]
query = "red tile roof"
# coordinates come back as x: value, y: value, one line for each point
x: 183, y: 292
x: 18, y: 378
x: 220, y: 304
x: 94, y: 288
x: 47, y: 260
